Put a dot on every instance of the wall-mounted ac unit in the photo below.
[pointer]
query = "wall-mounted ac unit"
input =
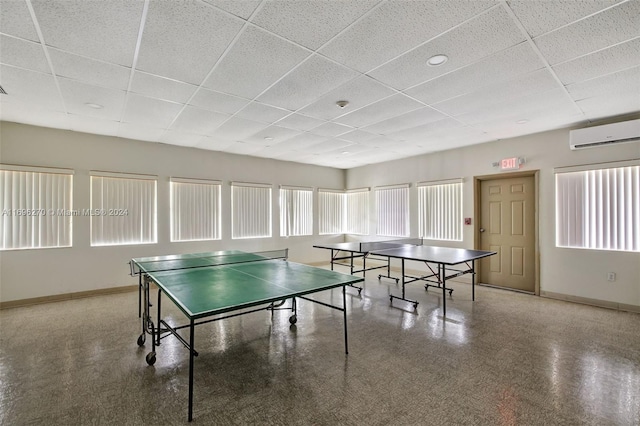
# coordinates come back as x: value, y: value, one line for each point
x: 608, y: 134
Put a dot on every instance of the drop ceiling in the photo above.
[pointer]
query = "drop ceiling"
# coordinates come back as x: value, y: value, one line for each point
x: 263, y: 78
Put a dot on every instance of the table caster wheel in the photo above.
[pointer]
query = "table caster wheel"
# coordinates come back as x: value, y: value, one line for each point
x: 379, y: 276
x: 397, y: 280
x: 293, y: 319
x: 359, y: 292
x: 141, y: 339
x: 151, y: 358
x: 415, y: 306
x: 450, y: 292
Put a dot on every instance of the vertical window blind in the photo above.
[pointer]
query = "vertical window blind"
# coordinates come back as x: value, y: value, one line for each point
x: 195, y: 209
x: 296, y: 211
x: 392, y: 207
x: 440, y: 210
x: 123, y: 209
x: 357, y: 212
x: 251, y: 210
x: 35, y: 207
x: 330, y: 211
x: 599, y: 209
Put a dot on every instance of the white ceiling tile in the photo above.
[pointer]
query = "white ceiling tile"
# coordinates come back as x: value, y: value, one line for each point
x: 411, y: 119
x: 600, y: 107
x: 181, y: 138
x: 272, y: 135
x: 140, y: 132
x: 608, y: 86
x: 162, y: 88
x: 83, y: 123
x: 310, y: 23
x: 198, y: 121
x: 237, y: 129
x: 612, y: 26
x: 216, y: 101
x: 23, y: 54
x: 102, y: 30
x: 183, y: 40
x: 258, y: 59
x: 77, y: 95
x: 358, y: 136
x: 542, y: 16
x: 30, y: 86
x: 243, y: 8
x: 421, y: 132
x: 299, y: 122
x: 306, y: 83
x: 328, y: 145
x: 358, y: 92
x: 150, y: 112
x: 32, y: 113
x: 89, y: 71
x: 395, y: 27
x: 331, y: 129
x: 301, y: 141
x: 616, y: 58
x: 503, y: 65
x: 392, y: 106
x: 15, y: 20
x: 499, y: 93
x: 486, y: 34
x: 214, y: 144
x: 243, y: 148
x: 260, y: 112
x: 298, y: 157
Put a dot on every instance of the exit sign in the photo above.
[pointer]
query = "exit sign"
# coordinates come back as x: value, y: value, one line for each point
x: 512, y: 163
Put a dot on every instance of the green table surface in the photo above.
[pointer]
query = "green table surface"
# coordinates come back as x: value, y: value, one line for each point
x: 211, y: 290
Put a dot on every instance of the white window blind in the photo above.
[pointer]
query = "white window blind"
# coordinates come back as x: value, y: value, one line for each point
x: 123, y: 209
x: 296, y: 211
x: 357, y: 212
x: 392, y: 206
x: 36, y: 209
x: 251, y: 210
x: 599, y: 209
x: 330, y: 212
x: 440, y: 211
x: 195, y: 210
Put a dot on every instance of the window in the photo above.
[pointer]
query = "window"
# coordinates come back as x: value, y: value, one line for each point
x: 195, y: 210
x: 357, y: 211
x: 598, y: 208
x: 123, y: 209
x: 440, y: 210
x: 35, y: 207
x: 296, y: 211
x: 392, y: 205
x: 330, y: 211
x: 251, y: 210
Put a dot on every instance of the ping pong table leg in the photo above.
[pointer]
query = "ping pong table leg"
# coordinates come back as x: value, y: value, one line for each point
x: 332, y: 258
x: 344, y: 319
x: 473, y: 280
x: 140, y: 295
x: 191, y: 355
x: 442, y: 278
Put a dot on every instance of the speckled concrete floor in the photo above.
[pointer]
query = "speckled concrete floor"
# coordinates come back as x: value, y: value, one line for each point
x: 505, y: 359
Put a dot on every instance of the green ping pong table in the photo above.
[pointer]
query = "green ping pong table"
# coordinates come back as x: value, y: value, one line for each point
x: 215, y: 284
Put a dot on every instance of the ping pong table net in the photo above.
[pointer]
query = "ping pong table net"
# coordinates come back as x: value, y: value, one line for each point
x: 389, y: 244
x: 201, y: 260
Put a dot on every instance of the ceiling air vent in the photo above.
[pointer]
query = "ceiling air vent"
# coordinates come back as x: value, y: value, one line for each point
x: 609, y: 134
x: 2, y: 92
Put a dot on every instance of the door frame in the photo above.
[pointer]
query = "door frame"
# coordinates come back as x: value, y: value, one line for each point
x: 477, y: 214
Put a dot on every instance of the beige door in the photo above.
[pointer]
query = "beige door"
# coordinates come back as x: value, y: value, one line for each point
x: 507, y: 226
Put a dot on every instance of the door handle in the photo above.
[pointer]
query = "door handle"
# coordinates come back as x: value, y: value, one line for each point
x: 481, y: 229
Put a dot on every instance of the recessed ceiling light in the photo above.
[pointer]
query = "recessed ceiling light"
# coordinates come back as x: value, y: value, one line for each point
x: 524, y: 120
x: 436, y: 60
x: 345, y: 152
x: 94, y: 106
x: 342, y: 104
x: 268, y: 138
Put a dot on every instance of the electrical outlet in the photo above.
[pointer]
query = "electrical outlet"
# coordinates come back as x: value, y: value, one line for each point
x: 611, y: 276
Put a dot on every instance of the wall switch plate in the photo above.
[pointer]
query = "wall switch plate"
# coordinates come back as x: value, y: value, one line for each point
x: 611, y: 276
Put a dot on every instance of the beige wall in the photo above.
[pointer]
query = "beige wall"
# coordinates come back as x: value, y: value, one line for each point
x: 34, y: 273
x: 26, y: 274
x: 572, y: 272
